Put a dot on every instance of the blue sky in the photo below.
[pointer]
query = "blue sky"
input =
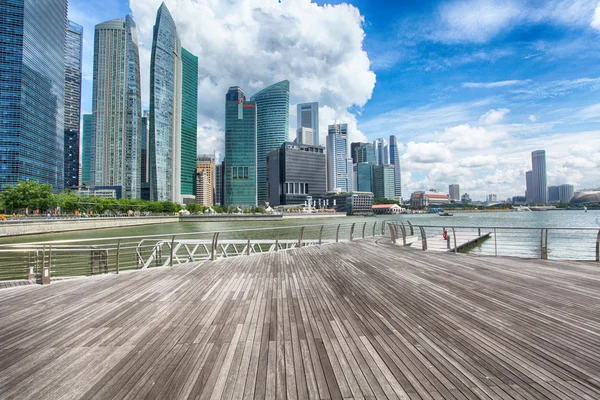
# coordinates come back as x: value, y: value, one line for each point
x: 469, y: 87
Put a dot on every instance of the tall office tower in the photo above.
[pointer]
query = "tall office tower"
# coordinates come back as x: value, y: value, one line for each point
x: 296, y: 171
x: 349, y: 175
x: 308, y: 117
x: 305, y: 136
x: 205, y: 179
x: 364, y: 177
x: 117, y: 107
x: 219, y: 184
x: 383, y: 181
x: 189, y: 122
x: 381, y: 151
x: 337, y: 156
x: 538, y: 166
x: 165, y: 110
x: 239, y: 172
x: 145, y: 162
x: 354, y: 146
x: 553, y: 194
x: 87, y: 178
x: 73, y: 52
x: 453, y: 192
x: 529, y: 186
x: 366, y: 153
x: 32, y: 81
x: 395, y: 161
x: 272, y: 113
x: 565, y: 193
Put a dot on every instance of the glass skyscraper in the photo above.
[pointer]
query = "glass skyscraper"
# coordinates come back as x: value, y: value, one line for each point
x: 32, y: 82
x: 364, y: 177
x: 86, y: 150
x: 272, y: 111
x: 383, y: 182
x: 395, y: 161
x: 189, y: 122
x: 337, y: 156
x: 308, y: 117
x: 117, y: 107
x: 538, y: 166
x: 73, y: 53
x: 165, y: 110
x: 239, y: 170
x: 145, y: 192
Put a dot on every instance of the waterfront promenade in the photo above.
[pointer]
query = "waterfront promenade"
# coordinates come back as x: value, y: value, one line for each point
x: 362, y: 319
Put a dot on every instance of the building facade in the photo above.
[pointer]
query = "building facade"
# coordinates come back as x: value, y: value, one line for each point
x: 87, y: 179
x: 272, y: 125
x: 308, y: 117
x: 189, y: 123
x: 565, y: 193
x: 454, y: 192
x: 553, y: 194
x: 73, y: 56
x: 381, y: 151
x: 383, y: 181
x: 219, y: 184
x: 239, y: 171
x: 529, y: 186
x: 366, y: 153
x: 538, y: 168
x: 423, y: 199
x: 32, y: 81
x: 337, y: 156
x: 117, y: 107
x: 364, y: 179
x: 305, y: 136
x: 165, y: 110
x: 395, y: 161
x: 205, y: 180
x: 145, y: 162
x: 296, y: 171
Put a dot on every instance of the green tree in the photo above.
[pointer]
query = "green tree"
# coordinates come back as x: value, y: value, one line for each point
x: 27, y: 194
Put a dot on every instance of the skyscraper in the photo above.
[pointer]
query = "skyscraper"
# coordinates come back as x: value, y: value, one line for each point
x: 538, y: 168
x: 395, y: 161
x: 165, y: 110
x: 87, y: 178
x: 117, y: 107
x: 189, y: 123
x: 337, y: 156
x: 239, y: 170
x: 353, y: 154
x: 145, y: 163
x: 365, y: 177
x: 381, y: 151
x: 529, y: 186
x: 383, y: 181
x: 32, y: 81
x: 272, y: 124
x: 308, y: 117
x: 219, y: 184
x: 366, y: 153
x: 565, y: 193
x: 454, y: 192
x: 553, y: 194
x: 73, y: 52
x: 305, y: 136
x: 205, y: 179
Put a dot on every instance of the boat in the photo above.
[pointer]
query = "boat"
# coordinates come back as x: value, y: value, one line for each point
x: 445, y: 214
x: 585, y: 208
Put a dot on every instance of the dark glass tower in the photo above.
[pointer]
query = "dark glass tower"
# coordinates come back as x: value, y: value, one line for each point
x: 32, y: 80
x: 240, y: 149
x: 86, y: 151
x: 272, y: 111
x: 395, y: 161
x: 189, y: 121
x: 73, y: 53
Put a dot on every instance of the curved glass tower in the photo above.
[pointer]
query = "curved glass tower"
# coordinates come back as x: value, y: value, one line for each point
x: 165, y: 110
x: 272, y: 123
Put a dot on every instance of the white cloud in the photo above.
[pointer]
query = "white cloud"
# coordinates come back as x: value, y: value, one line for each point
x: 493, y: 85
x: 479, y: 161
x: 427, y: 153
x: 532, y: 118
x: 467, y: 137
x: 579, y: 162
x: 492, y: 117
x: 254, y: 43
x: 590, y: 112
x: 596, y: 18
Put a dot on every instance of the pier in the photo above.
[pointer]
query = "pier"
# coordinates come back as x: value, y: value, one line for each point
x: 360, y: 319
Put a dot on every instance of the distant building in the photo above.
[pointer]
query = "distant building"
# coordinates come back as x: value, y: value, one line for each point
x: 189, y: 124
x: 72, y: 114
x: 586, y: 196
x: 145, y: 162
x: 364, y: 177
x: 519, y: 199
x: 423, y: 199
x: 454, y: 192
x: 359, y: 203
x: 383, y: 181
x: 465, y: 198
x: 381, y: 151
x: 308, y: 117
x: 565, y: 193
x: 538, y: 168
x: 219, y: 184
x: 395, y: 162
x: 295, y: 172
x: 366, y: 153
x: 553, y: 195
x: 492, y: 198
x: 353, y: 147
x: 86, y: 151
x: 205, y: 178
x: 386, y: 209
x: 529, y: 186
x: 305, y: 136
x: 337, y: 164
x: 349, y: 175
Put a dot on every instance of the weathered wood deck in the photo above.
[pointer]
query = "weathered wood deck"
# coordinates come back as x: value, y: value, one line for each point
x: 352, y: 320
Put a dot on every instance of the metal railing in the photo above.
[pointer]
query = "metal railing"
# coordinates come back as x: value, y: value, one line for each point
x: 67, y: 258
x: 525, y: 242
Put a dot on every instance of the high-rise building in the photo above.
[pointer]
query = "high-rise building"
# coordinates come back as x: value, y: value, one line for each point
x: 383, y: 181
x: 354, y: 146
x: 337, y: 156
x: 219, y: 184
x: 538, y: 166
x: 395, y: 161
x: 296, y: 171
x: 145, y: 163
x: 117, y: 107
x: 565, y: 193
x: 308, y: 117
x: 305, y: 136
x: 165, y: 110
x: 32, y: 81
x: 454, y: 192
x: 87, y: 178
x: 366, y: 153
x: 189, y: 122
x: 364, y: 178
x: 553, y: 194
x: 529, y: 186
x: 381, y: 151
x: 239, y: 170
x: 205, y: 180
x: 492, y: 198
x: 73, y: 53
x: 272, y: 122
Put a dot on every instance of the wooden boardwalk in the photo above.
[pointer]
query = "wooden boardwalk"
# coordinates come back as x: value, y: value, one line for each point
x: 365, y: 319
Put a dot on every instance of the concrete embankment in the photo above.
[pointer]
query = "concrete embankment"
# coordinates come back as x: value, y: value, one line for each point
x: 257, y: 217
x: 32, y: 227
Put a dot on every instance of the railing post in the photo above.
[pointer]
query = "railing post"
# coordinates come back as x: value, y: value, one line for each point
x: 495, y: 244
x: 118, y: 254
x: 423, y: 238
x: 598, y: 246
x: 213, y: 255
x: 363, y: 231
x: 337, y: 233
x: 277, y: 241
x: 300, y: 237
x: 392, y: 235
x: 403, y: 229
x: 46, y: 268
x: 383, y: 228
x: 374, y: 225
x: 321, y: 234
x: 478, y: 231
x: 412, y: 232
x: 248, y: 248
x: 172, y: 247
x: 352, y: 231
x: 455, y: 246
x: 543, y: 245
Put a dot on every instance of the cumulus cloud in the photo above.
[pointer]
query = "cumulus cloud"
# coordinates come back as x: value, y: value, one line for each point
x: 532, y: 118
x: 596, y: 18
x: 492, y: 117
x: 254, y: 43
x: 467, y: 137
x: 479, y: 161
x: 427, y: 153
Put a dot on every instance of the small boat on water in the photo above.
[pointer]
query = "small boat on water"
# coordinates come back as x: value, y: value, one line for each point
x: 585, y: 208
x: 445, y: 214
